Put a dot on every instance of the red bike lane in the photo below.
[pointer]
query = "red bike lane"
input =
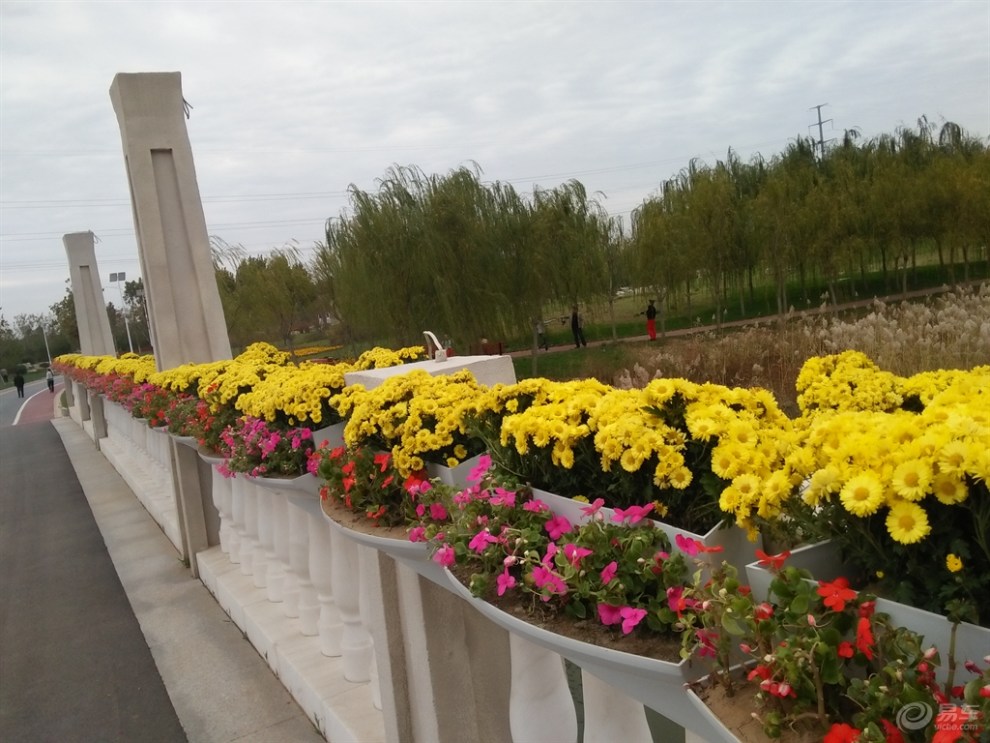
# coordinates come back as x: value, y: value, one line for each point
x: 40, y: 406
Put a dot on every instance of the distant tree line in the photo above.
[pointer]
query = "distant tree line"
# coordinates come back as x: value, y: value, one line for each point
x: 471, y: 259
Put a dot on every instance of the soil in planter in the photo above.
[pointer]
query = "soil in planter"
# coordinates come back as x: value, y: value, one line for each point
x: 359, y: 522
x: 736, y: 713
x: 531, y: 609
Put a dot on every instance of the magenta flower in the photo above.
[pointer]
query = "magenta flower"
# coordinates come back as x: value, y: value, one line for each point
x: 687, y: 545
x: 551, y: 552
x: 445, y: 556
x: 630, y: 618
x: 633, y: 514
x: 417, y: 534
x: 575, y: 554
x: 535, y: 506
x: 480, y: 541
x: 438, y: 512
x: 594, y: 507
x: 548, y: 582
x: 504, y: 497
x: 505, y: 582
x: 557, y: 527
x: 609, y: 614
x: 608, y: 572
x: 677, y: 602
x: 479, y: 470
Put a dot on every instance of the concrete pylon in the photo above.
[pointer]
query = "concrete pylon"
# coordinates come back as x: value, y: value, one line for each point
x: 186, y: 318
x: 187, y: 322
x: 95, y: 338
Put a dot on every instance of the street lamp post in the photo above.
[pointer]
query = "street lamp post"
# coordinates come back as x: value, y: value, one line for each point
x: 44, y: 334
x: 116, y: 278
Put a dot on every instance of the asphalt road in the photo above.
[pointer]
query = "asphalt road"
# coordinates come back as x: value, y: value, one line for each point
x: 75, y: 664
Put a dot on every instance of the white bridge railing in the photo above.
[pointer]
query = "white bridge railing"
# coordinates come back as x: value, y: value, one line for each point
x: 379, y: 649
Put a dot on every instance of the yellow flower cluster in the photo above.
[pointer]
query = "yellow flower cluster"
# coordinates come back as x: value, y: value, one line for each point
x: 846, y: 381
x: 899, y: 463
x: 417, y: 416
x: 313, y: 350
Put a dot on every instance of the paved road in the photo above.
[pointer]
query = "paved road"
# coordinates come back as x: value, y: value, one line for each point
x: 75, y: 664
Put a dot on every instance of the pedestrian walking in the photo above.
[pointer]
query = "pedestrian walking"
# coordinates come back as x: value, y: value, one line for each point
x: 50, y: 378
x: 19, y: 384
x: 651, y: 320
x: 577, y: 328
x: 541, y: 336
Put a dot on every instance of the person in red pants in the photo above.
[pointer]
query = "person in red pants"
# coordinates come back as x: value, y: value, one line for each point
x: 651, y: 320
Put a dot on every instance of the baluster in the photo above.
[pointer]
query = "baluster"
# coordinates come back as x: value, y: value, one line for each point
x: 355, y: 642
x: 610, y: 715
x: 321, y: 574
x: 302, y: 595
x: 540, y: 703
x: 280, y: 539
x: 266, y: 539
x: 235, y: 534
x: 249, y: 537
x: 223, y: 499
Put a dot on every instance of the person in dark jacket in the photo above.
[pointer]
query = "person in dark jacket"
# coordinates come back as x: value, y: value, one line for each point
x: 577, y: 328
x: 19, y: 384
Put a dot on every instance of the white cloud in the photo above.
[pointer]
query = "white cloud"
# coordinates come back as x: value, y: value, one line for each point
x: 307, y: 98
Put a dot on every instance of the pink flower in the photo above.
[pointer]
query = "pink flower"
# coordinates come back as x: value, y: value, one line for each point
x: 630, y: 618
x: 480, y: 541
x: 438, y: 512
x: 575, y: 554
x: 548, y: 582
x: 633, y: 514
x: 609, y: 614
x: 445, y: 556
x: 687, y: 545
x: 535, y: 506
x: 557, y: 527
x: 479, y: 470
x: 706, y: 643
x: 594, y: 507
x: 417, y: 534
x: 551, y: 552
x: 677, y: 601
x: 608, y: 572
x: 505, y: 582
x: 504, y: 497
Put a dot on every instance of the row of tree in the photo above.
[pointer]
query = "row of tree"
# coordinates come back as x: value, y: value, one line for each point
x: 472, y: 260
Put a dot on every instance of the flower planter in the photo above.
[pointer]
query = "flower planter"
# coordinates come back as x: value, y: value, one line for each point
x: 717, y: 731
x: 822, y: 560
x: 210, y: 458
x: 306, y: 484
x: 333, y: 435
x: 394, y: 543
x: 190, y: 441
x: 655, y: 683
x: 737, y: 550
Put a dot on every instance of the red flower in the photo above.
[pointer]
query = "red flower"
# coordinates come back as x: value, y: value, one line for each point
x: 891, y: 732
x: 866, y: 608
x: 762, y: 611
x: 864, y: 638
x: 774, y: 562
x: 840, y: 732
x: 836, y: 593
x: 846, y: 650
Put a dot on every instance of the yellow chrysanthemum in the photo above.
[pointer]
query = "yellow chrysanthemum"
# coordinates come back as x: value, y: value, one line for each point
x: 953, y: 563
x: 949, y: 489
x: 907, y: 523
x: 862, y: 495
x: 911, y: 479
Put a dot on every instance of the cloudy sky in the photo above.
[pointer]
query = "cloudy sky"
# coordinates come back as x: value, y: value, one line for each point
x: 293, y: 102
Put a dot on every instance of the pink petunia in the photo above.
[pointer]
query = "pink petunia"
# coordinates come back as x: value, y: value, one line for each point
x: 548, y: 582
x: 557, y: 526
x: 503, y: 497
x: 417, y: 534
x: 438, y: 512
x: 505, y: 582
x: 609, y: 614
x: 535, y: 506
x: 594, y: 507
x: 479, y: 470
x: 480, y: 541
x: 445, y: 556
x: 630, y: 618
x: 575, y: 554
x: 608, y: 572
x: 633, y: 514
